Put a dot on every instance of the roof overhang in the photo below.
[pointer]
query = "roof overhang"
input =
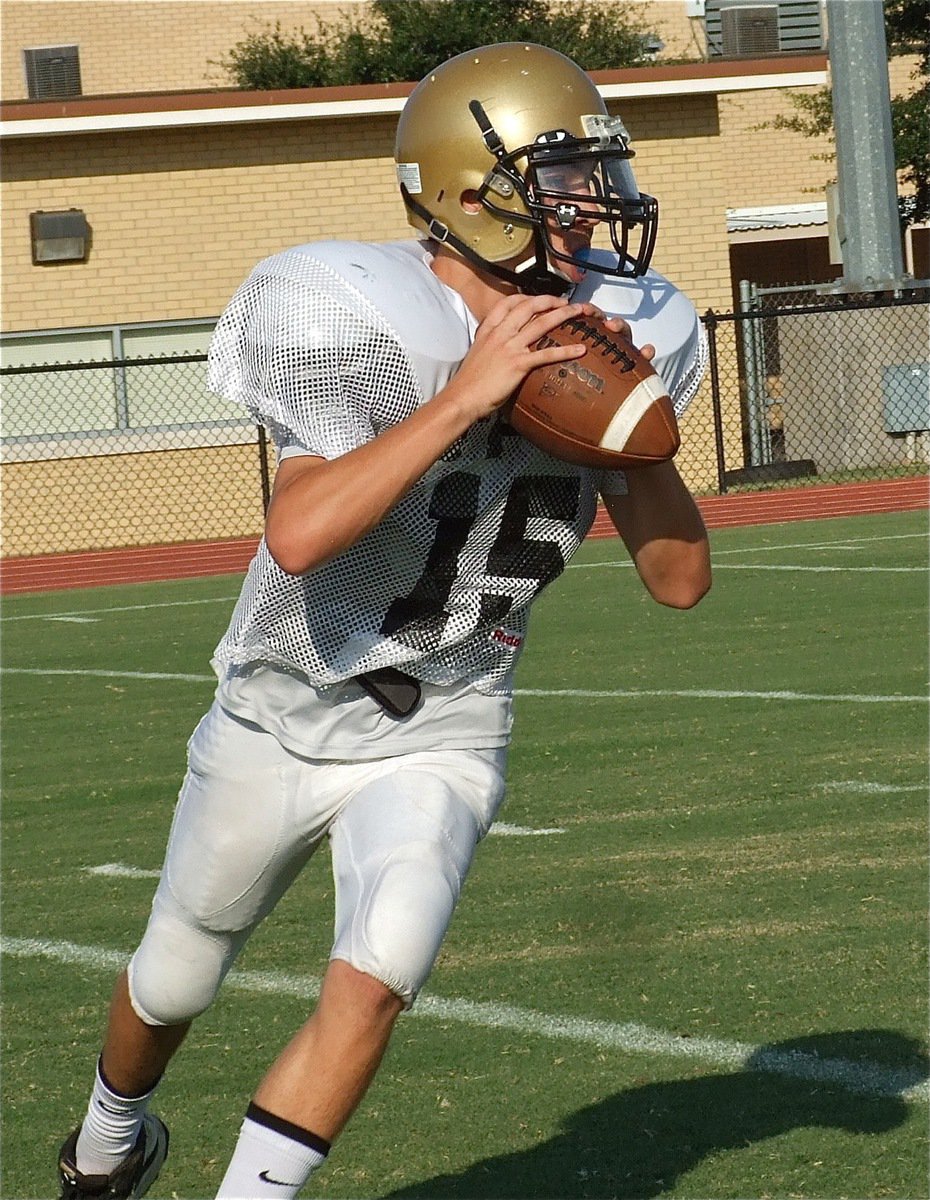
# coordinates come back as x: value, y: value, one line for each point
x: 110, y: 114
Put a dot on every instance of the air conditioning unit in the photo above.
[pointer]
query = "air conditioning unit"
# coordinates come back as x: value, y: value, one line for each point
x: 749, y: 30
x: 743, y: 29
x: 52, y: 72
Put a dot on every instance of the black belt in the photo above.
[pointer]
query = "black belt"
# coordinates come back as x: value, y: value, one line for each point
x: 397, y: 693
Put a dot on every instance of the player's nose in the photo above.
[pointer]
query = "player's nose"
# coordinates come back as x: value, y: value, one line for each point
x: 588, y: 215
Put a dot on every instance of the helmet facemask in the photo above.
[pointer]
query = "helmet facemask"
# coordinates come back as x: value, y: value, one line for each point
x: 565, y: 180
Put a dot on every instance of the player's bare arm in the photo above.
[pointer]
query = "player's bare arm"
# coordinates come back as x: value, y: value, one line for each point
x: 664, y: 532
x: 320, y: 507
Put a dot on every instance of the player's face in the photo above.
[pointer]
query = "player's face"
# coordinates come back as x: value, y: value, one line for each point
x: 571, y: 213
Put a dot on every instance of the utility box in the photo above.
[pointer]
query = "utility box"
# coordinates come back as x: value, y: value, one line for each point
x: 906, y: 397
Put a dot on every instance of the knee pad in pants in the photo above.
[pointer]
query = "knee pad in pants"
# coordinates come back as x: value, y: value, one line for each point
x: 401, y: 851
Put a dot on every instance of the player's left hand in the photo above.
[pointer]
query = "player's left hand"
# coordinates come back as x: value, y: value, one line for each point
x: 618, y: 325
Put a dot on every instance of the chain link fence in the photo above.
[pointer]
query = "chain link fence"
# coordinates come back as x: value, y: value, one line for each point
x: 126, y: 452
x: 809, y: 387
x: 803, y: 388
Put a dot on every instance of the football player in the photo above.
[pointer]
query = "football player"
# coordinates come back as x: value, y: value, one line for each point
x: 365, y: 680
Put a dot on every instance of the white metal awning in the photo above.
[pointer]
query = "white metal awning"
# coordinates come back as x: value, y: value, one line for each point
x: 777, y: 222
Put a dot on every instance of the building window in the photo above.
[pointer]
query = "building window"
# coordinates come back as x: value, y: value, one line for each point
x: 52, y: 72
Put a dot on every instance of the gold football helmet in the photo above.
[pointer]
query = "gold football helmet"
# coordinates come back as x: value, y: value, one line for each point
x: 524, y: 130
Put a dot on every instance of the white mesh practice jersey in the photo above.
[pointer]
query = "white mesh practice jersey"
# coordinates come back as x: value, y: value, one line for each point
x: 329, y: 344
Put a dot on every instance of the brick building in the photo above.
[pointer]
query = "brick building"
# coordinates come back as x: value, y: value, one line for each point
x: 184, y: 183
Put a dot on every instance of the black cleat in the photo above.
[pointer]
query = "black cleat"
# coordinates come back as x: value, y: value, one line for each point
x: 131, y: 1179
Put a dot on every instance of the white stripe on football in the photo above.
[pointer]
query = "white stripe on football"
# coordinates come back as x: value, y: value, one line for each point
x: 631, y: 412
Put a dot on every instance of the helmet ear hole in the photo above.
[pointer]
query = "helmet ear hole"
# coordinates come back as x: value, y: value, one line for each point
x: 469, y: 201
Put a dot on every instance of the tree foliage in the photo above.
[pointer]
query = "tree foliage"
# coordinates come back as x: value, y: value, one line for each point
x: 404, y: 41
x: 907, y: 31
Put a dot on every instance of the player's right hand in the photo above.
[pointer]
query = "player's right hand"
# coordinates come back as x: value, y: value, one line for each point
x: 504, y: 350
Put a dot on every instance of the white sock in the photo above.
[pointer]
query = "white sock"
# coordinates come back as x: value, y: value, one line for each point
x: 273, y: 1158
x: 110, y: 1128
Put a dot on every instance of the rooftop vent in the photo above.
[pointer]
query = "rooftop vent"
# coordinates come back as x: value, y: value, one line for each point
x: 752, y: 30
x: 741, y: 29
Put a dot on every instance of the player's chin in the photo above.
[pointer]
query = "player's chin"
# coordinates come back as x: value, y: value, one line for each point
x: 573, y: 265
x: 571, y: 270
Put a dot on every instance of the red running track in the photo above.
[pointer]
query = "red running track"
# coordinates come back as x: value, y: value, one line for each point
x: 188, y: 560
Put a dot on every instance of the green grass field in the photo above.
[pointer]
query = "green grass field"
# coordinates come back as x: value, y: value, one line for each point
x: 708, y: 979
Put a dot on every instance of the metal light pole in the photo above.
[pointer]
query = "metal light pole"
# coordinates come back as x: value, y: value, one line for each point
x: 869, y: 229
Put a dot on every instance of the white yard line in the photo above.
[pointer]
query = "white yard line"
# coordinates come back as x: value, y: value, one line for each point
x: 718, y: 694
x: 863, y: 788
x: 122, y: 871
x: 567, y: 693
x: 502, y: 829
x: 118, y: 609
x: 118, y: 870
x: 864, y: 1078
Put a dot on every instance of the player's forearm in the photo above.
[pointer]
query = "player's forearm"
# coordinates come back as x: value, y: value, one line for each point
x: 316, y: 513
x: 664, y: 532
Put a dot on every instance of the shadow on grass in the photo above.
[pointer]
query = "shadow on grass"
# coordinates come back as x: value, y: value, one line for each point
x: 638, y: 1143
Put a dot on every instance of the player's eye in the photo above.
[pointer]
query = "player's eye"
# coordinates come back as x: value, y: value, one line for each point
x: 571, y: 180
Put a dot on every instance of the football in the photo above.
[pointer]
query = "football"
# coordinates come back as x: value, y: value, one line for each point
x: 608, y: 409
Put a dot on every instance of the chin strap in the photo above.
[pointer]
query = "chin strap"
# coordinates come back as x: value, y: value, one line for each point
x: 535, y: 280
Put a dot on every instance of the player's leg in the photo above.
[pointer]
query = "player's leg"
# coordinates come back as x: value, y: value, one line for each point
x: 401, y: 849
x: 319, y: 1078
x: 135, y: 1054
x: 118, y: 1132
x: 240, y: 835
x: 345, y: 1039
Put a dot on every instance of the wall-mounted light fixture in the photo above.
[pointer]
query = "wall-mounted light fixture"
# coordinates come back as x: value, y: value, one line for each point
x: 59, y: 236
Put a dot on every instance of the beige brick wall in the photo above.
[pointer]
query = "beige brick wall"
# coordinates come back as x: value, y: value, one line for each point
x: 146, y: 45
x: 179, y: 216
x: 765, y: 165
x: 117, y: 37
x: 100, y: 503
x: 773, y: 166
x: 678, y: 160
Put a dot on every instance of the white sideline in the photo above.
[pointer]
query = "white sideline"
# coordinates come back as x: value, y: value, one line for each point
x: 570, y: 693
x: 717, y: 694
x: 864, y: 1078
x: 841, y: 544
x: 820, y: 570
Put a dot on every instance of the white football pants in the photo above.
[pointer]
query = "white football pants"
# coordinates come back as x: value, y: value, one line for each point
x: 403, y: 832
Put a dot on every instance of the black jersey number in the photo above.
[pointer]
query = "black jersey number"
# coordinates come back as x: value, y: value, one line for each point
x: 419, y: 618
